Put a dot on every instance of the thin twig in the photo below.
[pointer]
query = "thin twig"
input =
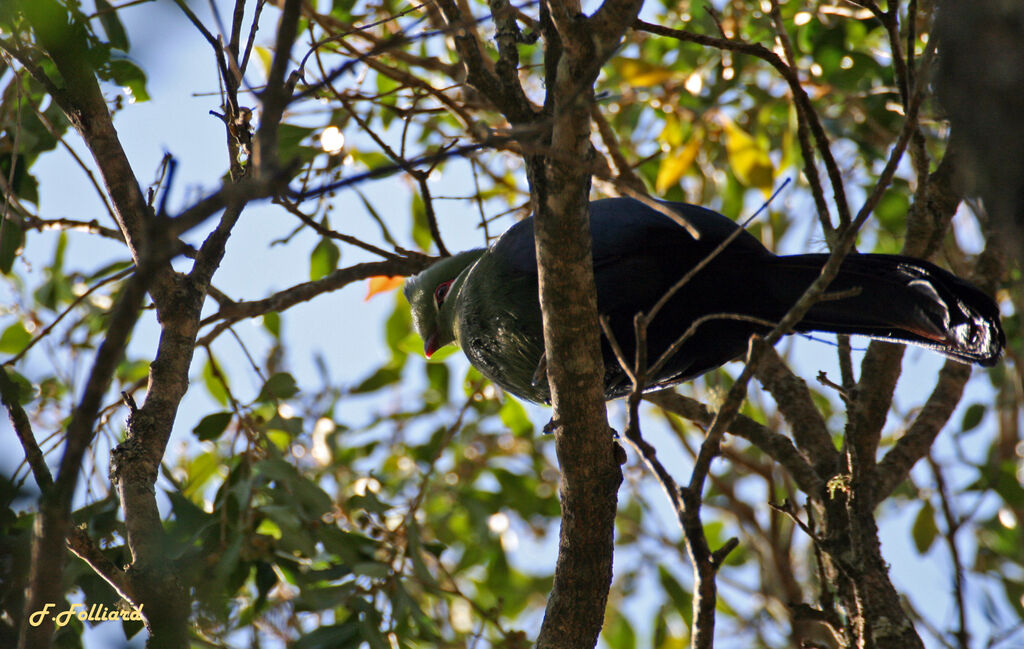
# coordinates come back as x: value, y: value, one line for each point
x: 23, y: 429
x: 952, y: 527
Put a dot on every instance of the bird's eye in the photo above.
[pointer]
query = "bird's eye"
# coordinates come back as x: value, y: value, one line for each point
x: 441, y: 291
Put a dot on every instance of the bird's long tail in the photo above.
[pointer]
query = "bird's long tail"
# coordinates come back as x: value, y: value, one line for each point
x: 898, y: 299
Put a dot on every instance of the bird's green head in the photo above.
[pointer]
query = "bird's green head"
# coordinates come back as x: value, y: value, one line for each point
x: 433, y: 294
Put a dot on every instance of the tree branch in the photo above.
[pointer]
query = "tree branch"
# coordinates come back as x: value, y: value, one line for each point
x: 86, y: 549
x: 278, y: 90
x: 775, y: 445
x: 795, y: 403
x: 289, y: 297
x: 23, y: 429
x: 917, y: 441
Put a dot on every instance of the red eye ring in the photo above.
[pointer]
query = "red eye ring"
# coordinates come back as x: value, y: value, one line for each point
x: 442, y: 291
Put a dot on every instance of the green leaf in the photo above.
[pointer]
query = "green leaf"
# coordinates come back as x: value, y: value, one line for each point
x: 57, y: 266
x: 112, y: 25
x: 214, y: 384
x: 272, y: 323
x: 891, y: 211
x: 386, y: 375
x: 420, y: 228
x: 324, y: 259
x: 619, y: 633
x: 372, y: 569
x: 12, y: 239
x: 26, y: 391
x: 212, y: 426
x: 1005, y: 483
x: 399, y: 324
x: 126, y: 74
x: 289, y: 143
x: 279, y: 386
x: 336, y: 636
x: 132, y: 371
x: 438, y: 378
x: 924, y: 530
x: 14, y: 339
x: 107, y: 269
x: 973, y: 416
x: 314, y: 499
x: 513, y: 415
x: 200, y: 470
x: 681, y: 599
x: 291, y: 425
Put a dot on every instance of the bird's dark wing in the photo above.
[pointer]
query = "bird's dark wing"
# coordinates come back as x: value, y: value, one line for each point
x: 639, y: 254
x: 624, y: 227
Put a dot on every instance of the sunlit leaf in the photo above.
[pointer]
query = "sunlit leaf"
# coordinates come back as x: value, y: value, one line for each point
x: 676, y: 163
x: 14, y: 338
x: 398, y: 328
x: 324, y: 259
x: 272, y: 323
x: 672, y: 131
x: 420, y: 227
x: 513, y: 415
x: 265, y: 57
x: 132, y: 371
x: 640, y: 73
x: 618, y: 632
x: 749, y: 161
x: 127, y: 74
x: 215, y: 384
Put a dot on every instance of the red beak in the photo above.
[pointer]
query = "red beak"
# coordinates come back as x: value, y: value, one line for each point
x: 430, y: 345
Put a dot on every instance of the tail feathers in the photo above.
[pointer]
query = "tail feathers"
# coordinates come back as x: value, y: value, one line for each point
x: 900, y: 299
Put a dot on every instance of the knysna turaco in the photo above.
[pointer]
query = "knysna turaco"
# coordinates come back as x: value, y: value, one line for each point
x: 485, y: 300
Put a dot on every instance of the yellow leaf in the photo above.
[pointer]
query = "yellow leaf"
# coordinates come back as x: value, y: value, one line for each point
x: 265, y: 58
x: 672, y: 133
x: 382, y: 284
x: 643, y: 73
x: 791, y: 155
x: 751, y: 164
x: 675, y: 165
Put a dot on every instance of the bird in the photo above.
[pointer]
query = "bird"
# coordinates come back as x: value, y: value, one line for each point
x: 485, y: 300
